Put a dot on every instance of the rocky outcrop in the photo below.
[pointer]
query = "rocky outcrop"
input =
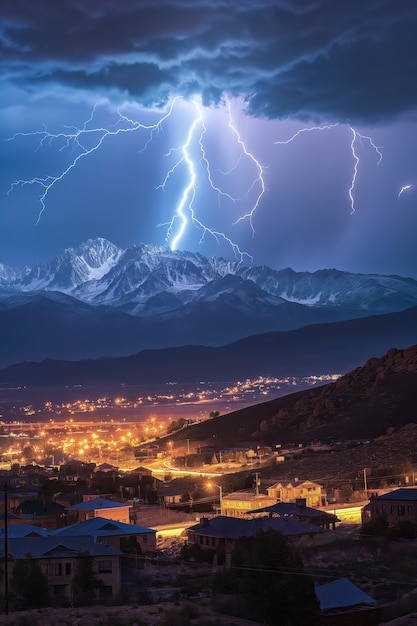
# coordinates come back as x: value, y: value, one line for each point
x: 370, y: 401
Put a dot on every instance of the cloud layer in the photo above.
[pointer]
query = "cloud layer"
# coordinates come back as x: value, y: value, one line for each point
x: 350, y: 60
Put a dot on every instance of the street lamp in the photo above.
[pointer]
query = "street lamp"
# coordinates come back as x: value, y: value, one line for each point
x: 219, y: 487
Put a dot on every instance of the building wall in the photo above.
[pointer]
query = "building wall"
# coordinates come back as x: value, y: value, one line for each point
x: 119, y: 514
x: 60, y: 572
x: 146, y: 541
x: 312, y: 493
x: 235, y: 507
x: 395, y: 510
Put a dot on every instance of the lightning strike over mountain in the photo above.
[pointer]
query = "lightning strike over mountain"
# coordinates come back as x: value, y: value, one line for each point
x: 186, y: 202
x: 87, y: 139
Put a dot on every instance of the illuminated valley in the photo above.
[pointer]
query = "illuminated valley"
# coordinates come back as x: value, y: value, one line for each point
x: 106, y: 429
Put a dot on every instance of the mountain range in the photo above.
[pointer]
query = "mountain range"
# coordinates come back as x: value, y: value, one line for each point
x: 100, y: 300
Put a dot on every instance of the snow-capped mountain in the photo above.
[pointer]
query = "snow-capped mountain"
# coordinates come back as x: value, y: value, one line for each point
x: 100, y: 273
x: 91, y: 261
x: 100, y: 300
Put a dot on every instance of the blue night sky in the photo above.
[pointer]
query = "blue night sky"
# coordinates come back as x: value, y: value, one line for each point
x: 167, y: 116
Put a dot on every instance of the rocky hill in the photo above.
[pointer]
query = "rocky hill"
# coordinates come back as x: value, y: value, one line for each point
x: 368, y: 402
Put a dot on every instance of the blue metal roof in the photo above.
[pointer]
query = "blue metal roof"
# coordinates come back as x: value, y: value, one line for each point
x: 101, y: 527
x: 340, y: 594
x: 405, y: 493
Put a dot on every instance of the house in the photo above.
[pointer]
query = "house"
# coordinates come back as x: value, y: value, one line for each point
x: 291, y: 490
x: 299, y: 511
x: 343, y: 604
x: 17, y: 531
x: 223, y: 532
x: 170, y: 496
x: 57, y: 557
x: 100, y: 507
x: 113, y: 533
x: 397, y: 506
x: 45, y: 514
x: 238, y: 503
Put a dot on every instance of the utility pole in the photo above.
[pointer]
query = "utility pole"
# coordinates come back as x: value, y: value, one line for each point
x: 257, y: 484
x: 365, y: 483
x: 6, y: 554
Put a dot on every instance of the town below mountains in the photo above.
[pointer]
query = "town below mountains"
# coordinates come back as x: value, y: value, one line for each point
x: 100, y: 301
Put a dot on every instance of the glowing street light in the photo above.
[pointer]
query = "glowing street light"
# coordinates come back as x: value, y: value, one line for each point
x: 219, y: 487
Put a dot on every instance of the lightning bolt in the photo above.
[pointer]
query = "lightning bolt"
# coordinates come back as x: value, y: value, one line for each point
x: 403, y: 189
x: 85, y: 140
x: 258, y: 180
x: 185, y: 206
x: 304, y: 130
x: 356, y: 137
x: 77, y: 140
x: 361, y: 138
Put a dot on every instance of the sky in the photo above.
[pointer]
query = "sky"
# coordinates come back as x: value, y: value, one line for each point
x: 273, y: 132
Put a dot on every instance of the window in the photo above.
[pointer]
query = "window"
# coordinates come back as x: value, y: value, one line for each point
x: 401, y: 509
x: 410, y: 508
x: 104, y: 567
x: 58, y: 569
x: 67, y: 569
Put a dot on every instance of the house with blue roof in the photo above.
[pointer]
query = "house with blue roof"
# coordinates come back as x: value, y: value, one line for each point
x: 397, y: 506
x: 113, y: 533
x: 100, y: 507
x: 344, y: 604
x: 223, y: 531
x: 58, y: 559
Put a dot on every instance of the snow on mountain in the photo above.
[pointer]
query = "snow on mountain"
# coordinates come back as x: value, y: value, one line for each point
x: 336, y: 288
x: 132, y: 280
x: 90, y: 261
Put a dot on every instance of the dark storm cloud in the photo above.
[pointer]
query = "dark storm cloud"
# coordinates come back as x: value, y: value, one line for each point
x: 347, y: 60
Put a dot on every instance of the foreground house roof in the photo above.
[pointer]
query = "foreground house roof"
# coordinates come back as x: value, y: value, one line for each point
x: 340, y: 594
x: 235, y: 527
x: 101, y: 527
x: 56, y: 547
x: 404, y: 493
x: 18, y: 531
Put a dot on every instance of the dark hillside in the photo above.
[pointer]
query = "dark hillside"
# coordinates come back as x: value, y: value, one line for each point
x: 362, y: 404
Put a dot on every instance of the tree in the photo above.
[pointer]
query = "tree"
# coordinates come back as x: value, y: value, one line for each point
x: 267, y: 574
x: 85, y: 582
x: 28, y: 583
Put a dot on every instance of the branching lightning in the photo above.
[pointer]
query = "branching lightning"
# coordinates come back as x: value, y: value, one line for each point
x: 74, y: 140
x: 356, y: 137
x: 305, y: 130
x: 87, y: 139
x: 259, y: 179
x: 403, y: 189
